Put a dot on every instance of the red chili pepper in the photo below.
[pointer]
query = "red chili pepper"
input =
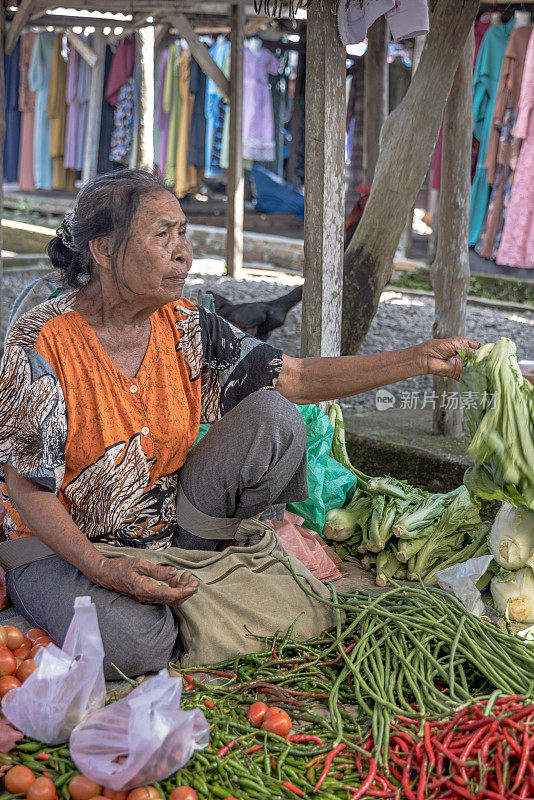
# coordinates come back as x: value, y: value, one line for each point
x: 292, y: 788
x: 253, y: 749
x: 428, y: 744
x: 327, y: 764
x: 42, y: 756
x: 512, y: 742
x: 209, y: 704
x: 494, y: 795
x: 188, y: 678
x: 406, y: 779
x: 358, y: 761
x: 224, y: 750
x: 303, y: 738
x: 459, y: 790
x: 527, y: 746
x: 189, y: 687
x: 368, y: 782
x: 421, y: 786
x: 404, y: 746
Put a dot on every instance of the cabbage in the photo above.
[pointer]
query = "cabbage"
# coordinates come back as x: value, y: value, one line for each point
x: 515, y: 591
x: 512, y: 537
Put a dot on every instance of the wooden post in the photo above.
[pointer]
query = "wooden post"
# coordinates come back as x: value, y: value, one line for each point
x: 16, y: 25
x: 375, y: 97
x: 94, y: 108
x: 324, y: 209
x: 200, y: 52
x: 418, y: 47
x: 450, y: 271
x: 145, y: 88
x: 408, y: 138
x: 82, y: 47
x: 2, y: 134
x: 235, y: 208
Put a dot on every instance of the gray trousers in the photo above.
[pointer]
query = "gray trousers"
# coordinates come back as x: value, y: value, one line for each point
x: 251, y: 459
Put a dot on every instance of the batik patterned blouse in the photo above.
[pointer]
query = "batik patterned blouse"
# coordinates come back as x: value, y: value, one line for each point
x: 107, y: 445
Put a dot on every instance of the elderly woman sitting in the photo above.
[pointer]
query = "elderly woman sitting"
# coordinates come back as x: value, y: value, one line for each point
x: 102, y: 390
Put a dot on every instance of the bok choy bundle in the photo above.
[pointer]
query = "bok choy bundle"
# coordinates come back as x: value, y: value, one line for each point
x: 500, y: 419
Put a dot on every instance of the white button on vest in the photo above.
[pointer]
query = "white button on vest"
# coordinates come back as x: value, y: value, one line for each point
x: 145, y: 431
x: 133, y: 388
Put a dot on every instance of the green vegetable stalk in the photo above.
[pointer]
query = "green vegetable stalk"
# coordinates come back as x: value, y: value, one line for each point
x: 387, y: 565
x: 341, y: 523
x: 501, y: 425
x: 412, y: 521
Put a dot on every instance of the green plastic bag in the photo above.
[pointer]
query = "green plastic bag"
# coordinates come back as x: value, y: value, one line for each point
x: 329, y: 483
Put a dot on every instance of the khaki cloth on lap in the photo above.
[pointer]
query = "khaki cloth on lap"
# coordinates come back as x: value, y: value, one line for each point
x: 241, y: 586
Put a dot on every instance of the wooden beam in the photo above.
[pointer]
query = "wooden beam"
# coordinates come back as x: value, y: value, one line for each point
x: 145, y: 61
x: 235, y: 208
x: 375, y: 93
x: 94, y: 109
x: 16, y: 25
x: 200, y: 52
x: 325, y: 186
x: 83, y: 48
x: 450, y: 271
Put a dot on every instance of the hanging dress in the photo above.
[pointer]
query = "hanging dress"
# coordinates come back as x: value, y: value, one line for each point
x: 503, y: 148
x: 27, y: 111
x: 120, y: 93
x: 196, y: 153
x: 258, y: 116
x: 485, y: 83
x: 78, y: 87
x: 106, y: 122
x: 517, y: 243
x: 215, y: 111
x: 162, y: 117
x: 63, y: 179
x: 11, y: 115
x: 172, y: 104
x: 40, y: 71
x: 186, y: 174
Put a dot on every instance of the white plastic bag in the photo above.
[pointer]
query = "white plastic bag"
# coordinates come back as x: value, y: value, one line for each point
x: 143, y: 738
x: 460, y: 580
x: 67, y: 684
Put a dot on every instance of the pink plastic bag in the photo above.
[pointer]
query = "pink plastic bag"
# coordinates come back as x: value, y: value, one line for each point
x: 308, y: 547
x: 142, y: 738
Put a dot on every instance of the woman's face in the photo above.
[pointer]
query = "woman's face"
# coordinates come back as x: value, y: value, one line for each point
x: 157, y: 256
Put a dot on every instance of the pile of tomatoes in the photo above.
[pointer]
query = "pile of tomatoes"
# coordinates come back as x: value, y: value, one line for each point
x: 17, y: 652
x: 271, y: 719
x: 21, y: 780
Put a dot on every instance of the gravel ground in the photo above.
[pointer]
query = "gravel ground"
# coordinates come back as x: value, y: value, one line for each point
x: 401, y: 320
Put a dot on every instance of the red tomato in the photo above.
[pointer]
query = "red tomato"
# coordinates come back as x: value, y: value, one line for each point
x: 21, y: 652
x: 113, y: 795
x: 25, y: 669
x: 183, y: 793
x: 35, y: 649
x: 8, y: 663
x: 83, y: 788
x: 8, y: 682
x: 15, y: 637
x: 144, y: 793
x: 35, y: 633
x: 272, y: 710
x: 18, y: 779
x: 278, y: 723
x: 46, y: 640
x: 256, y: 714
x: 3, y: 635
x: 41, y: 789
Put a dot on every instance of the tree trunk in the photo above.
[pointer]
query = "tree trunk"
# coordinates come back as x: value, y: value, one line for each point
x: 450, y: 270
x: 406, y: 145
x: 375, y: 94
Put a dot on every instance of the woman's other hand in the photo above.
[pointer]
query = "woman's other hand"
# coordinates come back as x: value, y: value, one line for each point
x: 441, y: 356
x: 138, y: 578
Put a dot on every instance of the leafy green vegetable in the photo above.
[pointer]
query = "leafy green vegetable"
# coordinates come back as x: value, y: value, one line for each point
x: 501, y: 424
